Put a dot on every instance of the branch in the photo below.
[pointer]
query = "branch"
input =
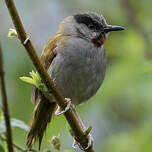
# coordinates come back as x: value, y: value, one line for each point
x: 5, y: 105
x: 77, y: 127
x: 132, y: 20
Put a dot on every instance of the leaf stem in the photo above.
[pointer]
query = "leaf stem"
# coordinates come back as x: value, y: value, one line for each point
x: 5, y: 106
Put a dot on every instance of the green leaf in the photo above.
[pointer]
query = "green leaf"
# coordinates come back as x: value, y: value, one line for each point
x: 88, y: 130
x: 12, y: 33
x: 35, y: 80
x: 34, y: 75
x: 28, y: 80
x: 14, y: 123
x: 20, y: 124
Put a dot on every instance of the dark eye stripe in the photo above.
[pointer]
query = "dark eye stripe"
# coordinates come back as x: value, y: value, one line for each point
x: 87, y: 20
x: 83, y: 19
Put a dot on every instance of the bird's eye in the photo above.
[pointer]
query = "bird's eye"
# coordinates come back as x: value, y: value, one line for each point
x: 98, y: 28
x: 94, y: 26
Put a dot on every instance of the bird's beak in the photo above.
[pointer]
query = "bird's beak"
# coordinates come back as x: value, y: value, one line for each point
x: 109, y: 28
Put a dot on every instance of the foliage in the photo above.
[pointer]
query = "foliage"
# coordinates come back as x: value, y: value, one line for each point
x: 35, y: 80
x: 88, y: 130
x: 12, y: 33
x: 14, y: 123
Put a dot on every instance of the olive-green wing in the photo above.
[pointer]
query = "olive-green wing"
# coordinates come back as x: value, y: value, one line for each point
x: 49, y: 52
x: 47, y: 56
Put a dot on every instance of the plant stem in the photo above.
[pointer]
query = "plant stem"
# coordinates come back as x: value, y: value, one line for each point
x: 70, y: 115
x: 5, y: 105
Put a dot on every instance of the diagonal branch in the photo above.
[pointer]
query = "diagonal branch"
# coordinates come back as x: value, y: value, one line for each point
x: 75, y: 124
x: 5, y: 105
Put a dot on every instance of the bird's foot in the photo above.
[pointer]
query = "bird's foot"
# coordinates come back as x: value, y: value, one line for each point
x: 90, y: 143
x: 59, y: 112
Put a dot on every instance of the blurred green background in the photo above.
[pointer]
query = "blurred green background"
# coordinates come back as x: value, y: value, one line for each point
x: 121, y: 111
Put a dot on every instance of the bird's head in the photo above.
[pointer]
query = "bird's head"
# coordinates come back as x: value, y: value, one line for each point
x: 90, y: 26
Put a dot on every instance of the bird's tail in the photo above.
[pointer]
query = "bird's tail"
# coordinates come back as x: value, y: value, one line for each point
x: 43, y: 113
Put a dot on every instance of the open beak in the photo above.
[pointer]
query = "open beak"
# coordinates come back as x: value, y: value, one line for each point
x: 110, y: 28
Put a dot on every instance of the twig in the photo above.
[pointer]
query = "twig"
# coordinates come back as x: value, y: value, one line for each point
x: 133, y: 20
x: 70, y: 115
x: 5, y: 105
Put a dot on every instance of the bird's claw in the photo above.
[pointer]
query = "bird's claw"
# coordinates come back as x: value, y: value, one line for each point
x: 90, y: 142
x: 74, y: 144
x: 58, y: 112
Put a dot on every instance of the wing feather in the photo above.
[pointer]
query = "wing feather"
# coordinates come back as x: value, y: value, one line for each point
x: 49, y: 51
x: 47, y: 56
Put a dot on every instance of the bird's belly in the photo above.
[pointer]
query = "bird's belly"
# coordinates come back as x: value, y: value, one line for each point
x: 78, y: 78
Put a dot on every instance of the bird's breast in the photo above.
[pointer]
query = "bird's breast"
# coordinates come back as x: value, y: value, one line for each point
x: 79, y: 70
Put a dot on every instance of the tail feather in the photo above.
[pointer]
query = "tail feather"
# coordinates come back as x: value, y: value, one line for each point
x: 43, y: 113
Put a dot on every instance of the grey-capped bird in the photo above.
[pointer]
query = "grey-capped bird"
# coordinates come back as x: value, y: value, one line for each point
x: 75, y: 59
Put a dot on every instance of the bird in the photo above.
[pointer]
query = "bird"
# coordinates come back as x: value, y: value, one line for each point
x: 75, y: 60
